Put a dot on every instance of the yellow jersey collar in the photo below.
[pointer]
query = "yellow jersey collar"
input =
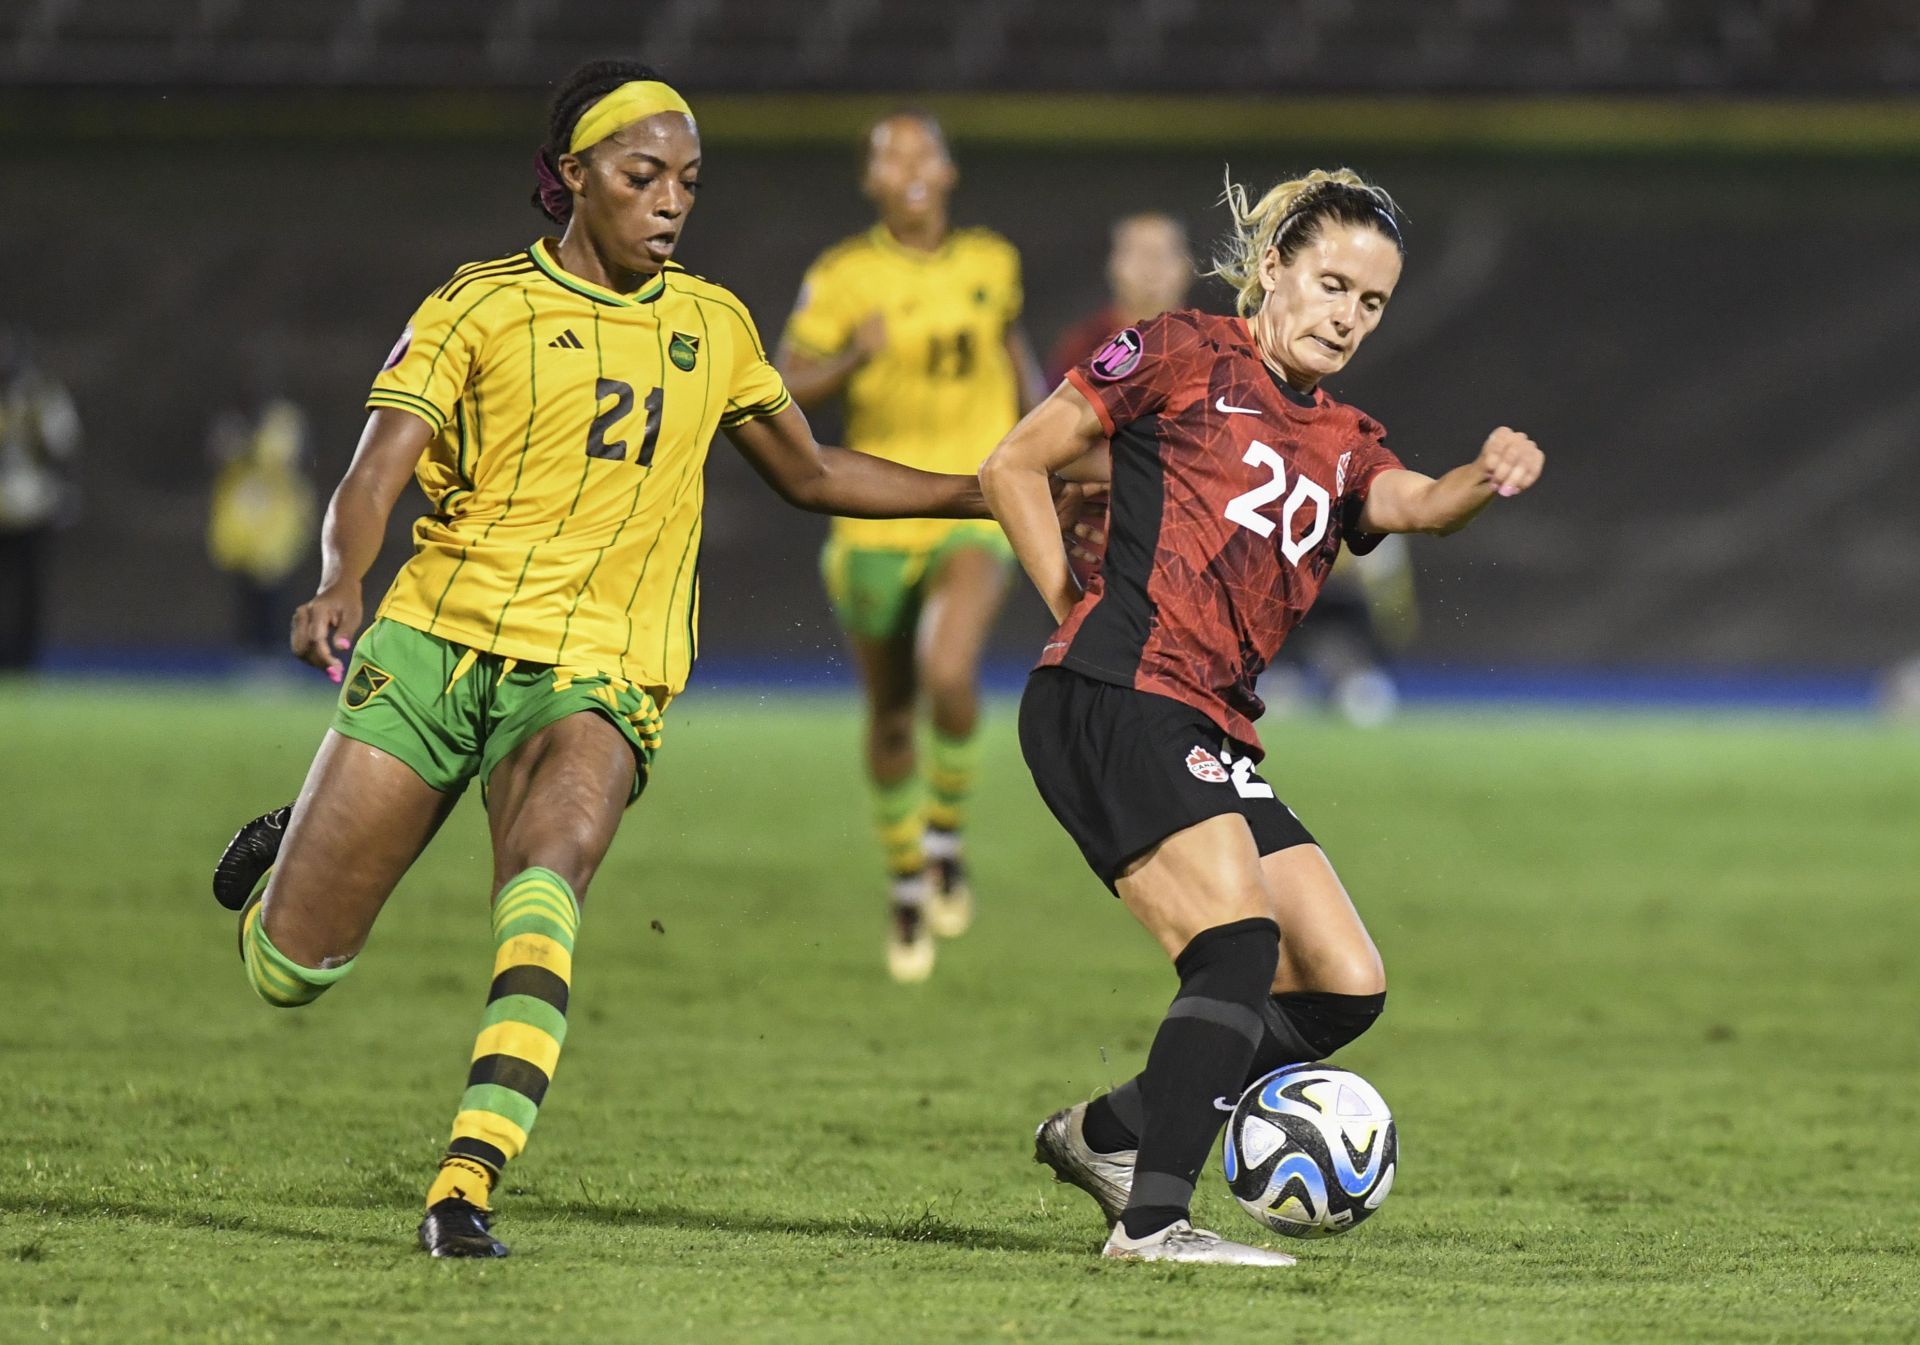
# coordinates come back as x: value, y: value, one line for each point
x: 559, y: 275
x: 887, y: 243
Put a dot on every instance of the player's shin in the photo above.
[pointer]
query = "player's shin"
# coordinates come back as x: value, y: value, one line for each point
x: 1200, y: 1054
x: 1296, y: 1026
x: 534, y: 923
x: 950, y: 780
x: 954, y: 763
x: 900, y: 820
x: 1311, y: 1025
x: 274, y: 976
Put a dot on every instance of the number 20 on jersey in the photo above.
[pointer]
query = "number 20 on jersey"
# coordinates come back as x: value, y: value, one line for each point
x: 1245, y: 509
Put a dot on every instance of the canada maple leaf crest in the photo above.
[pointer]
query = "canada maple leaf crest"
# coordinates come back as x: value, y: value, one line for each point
x: 1204, y: 765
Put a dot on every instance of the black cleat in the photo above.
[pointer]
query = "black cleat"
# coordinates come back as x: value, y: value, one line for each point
x: 456, y: 1227
x: 248, y: 856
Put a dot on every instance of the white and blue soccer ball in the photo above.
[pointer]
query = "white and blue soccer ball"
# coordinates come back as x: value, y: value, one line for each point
x: 1311, y: 1150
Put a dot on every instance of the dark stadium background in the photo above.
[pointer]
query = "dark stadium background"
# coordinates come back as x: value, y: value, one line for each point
x: 1673, y: 239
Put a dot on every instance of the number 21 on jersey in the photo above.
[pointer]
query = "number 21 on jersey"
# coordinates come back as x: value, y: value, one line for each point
x: 607, y: 416
x: 1245, y: 509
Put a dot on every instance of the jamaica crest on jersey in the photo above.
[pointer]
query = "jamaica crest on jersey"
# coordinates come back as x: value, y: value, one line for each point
x: 684, y: 351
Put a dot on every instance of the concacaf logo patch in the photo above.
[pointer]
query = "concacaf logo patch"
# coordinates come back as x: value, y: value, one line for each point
x: 366, y: 683
x: 1204, y: 765
x: 1118, y: 357
x: 399, y: 351
x: 684, y: 351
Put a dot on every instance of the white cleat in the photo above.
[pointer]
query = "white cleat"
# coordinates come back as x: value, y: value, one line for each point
x: 1061, y: 1143
x: 950, y: 910
x: 1181, y: 1241
x: 949, y: 895
x: 909, y: 944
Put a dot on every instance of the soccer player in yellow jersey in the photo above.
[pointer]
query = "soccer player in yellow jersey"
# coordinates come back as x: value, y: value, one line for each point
x: 555, y: 405
x: 915, y: 324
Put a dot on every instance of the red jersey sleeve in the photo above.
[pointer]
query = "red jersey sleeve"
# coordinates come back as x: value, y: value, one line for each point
x: 1360, y: 466
x: 1133, y: 374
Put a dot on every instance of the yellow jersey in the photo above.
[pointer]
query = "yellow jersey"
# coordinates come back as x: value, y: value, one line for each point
x: 944, y: 390
x: 571, y: 427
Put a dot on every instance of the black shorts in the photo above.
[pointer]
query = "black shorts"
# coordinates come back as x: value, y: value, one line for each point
x: 1123, y: 770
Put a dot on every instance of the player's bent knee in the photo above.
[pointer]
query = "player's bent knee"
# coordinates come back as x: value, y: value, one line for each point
x: 1327, y: 1021
x: 277, y: 978
x: 947, y: 686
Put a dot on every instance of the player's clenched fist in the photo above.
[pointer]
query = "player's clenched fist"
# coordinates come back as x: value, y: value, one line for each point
x: 324, y: 625
x: 1509, y: 461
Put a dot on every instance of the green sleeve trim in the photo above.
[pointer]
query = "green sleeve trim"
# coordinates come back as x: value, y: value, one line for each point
x: 397, y: 400
x: 741, y: 415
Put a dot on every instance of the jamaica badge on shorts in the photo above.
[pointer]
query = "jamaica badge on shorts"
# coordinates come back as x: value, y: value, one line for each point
x: 366, y: 683
x: 684, y: 351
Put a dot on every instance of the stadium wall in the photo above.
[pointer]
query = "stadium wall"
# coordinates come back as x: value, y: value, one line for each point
x: 1713, y: 341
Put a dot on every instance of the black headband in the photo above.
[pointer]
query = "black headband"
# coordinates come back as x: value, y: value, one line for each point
x: 1326, y: 191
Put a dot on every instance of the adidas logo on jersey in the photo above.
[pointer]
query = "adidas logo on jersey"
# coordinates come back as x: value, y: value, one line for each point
x: 567, y: 341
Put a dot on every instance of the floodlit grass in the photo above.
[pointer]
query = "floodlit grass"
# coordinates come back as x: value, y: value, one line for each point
x: 1653, y: 1042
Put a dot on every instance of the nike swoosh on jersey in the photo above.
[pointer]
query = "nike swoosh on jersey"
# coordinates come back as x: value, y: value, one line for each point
x: 1220, y: 404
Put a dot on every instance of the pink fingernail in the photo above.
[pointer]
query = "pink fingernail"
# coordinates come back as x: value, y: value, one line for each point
x: 1508, y: 490
x: 333, y: 675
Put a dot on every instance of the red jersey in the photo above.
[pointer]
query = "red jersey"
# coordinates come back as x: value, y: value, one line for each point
x: 1231, y: 497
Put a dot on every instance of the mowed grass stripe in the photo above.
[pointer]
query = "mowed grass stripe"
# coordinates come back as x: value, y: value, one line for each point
x: 1649, y: 1037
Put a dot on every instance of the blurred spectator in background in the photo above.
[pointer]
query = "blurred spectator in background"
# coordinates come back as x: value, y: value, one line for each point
x: 1149, y: 271
x: 39, y: 490
x: 1365, y: 615
x: 261, y: 522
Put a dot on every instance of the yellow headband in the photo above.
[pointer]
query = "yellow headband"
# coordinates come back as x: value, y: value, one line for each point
x: 631, y: 102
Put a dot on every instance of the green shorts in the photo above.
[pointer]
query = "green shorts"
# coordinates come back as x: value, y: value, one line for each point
x: 452, y: 713
x: 877, y: 593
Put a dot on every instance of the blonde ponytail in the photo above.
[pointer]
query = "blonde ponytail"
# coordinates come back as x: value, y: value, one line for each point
x: 1288, y: 217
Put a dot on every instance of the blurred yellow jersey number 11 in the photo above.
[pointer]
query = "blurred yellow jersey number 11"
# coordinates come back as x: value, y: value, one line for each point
x: 943, y: 390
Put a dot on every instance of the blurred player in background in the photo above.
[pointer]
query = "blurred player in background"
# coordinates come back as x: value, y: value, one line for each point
x: 261, y: 515
x: 39, y: 492
x: 555, y: 405
x: 1149, y: 271
x: 915, y: 324
x: 1236, y: 481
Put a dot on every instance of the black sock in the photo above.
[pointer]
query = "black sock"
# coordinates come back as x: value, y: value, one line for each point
x: 1300, y: 1025
x: 1113, y: 1120
x: 1200, y: 1053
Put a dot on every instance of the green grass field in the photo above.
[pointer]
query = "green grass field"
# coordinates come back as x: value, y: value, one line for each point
x: 1654, y: 1046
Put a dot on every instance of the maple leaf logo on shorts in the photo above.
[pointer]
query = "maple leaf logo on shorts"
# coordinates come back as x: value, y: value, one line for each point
x: 1205, y: 766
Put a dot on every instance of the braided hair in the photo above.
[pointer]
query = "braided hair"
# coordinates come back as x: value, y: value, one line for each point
x: 1290, y: 216
x: 577, y: 92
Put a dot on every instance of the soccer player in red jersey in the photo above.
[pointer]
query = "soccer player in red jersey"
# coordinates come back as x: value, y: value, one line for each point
x: 1235, y: 481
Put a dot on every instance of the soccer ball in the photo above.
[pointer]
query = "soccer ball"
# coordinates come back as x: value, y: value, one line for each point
x: 1311, y: 1150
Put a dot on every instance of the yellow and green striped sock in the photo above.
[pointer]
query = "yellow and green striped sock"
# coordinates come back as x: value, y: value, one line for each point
x: 534, y: 923
x: 900, y: 820
x: 955, y: 762
x: 277, y: 978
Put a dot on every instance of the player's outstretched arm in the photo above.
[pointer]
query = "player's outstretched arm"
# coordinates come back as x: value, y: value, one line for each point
x: 1405, y: 501
x: 825, y: 480
x: 1049, y: 439
x: 356, y: 523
